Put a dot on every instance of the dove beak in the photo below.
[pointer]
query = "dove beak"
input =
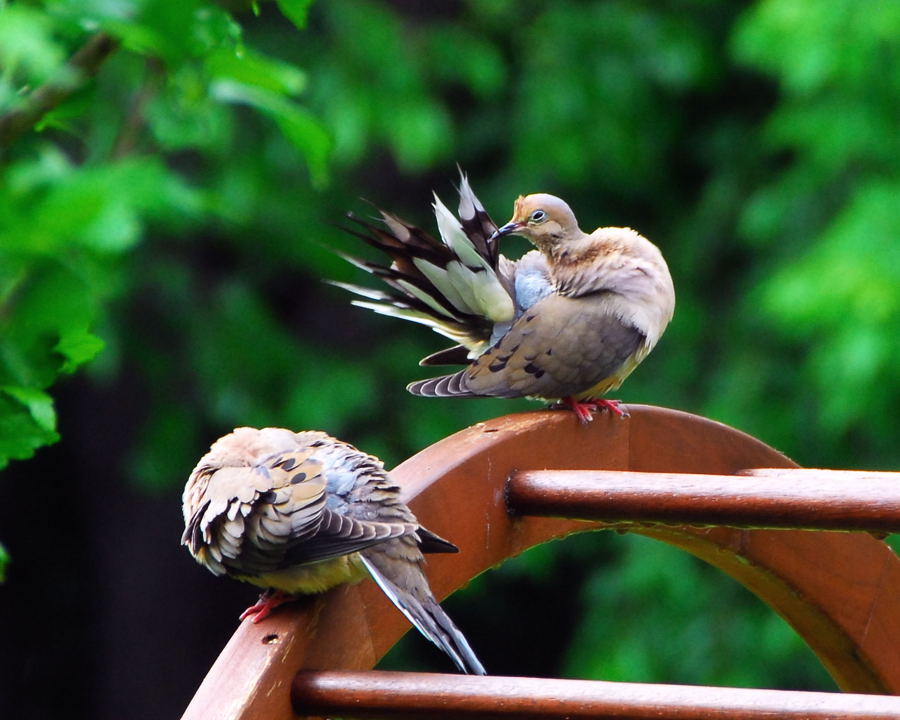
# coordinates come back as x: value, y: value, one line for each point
x: 511, y: 227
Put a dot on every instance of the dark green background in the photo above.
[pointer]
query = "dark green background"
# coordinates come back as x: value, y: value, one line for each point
x: 165, y: 232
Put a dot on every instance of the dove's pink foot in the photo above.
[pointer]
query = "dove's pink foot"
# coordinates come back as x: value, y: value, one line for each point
x: 267, y: 602
x: 584, y: 408
x: 614, y: 406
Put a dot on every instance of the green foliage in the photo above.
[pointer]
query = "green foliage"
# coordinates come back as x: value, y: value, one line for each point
x: 826, y: 223
x: 71, y: 225
x: 296, y: 11
x: 658, y: 612
x: 28, y: 51
x: 170, y: 222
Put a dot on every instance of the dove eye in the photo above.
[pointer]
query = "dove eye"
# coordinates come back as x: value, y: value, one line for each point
x: 537, y: 216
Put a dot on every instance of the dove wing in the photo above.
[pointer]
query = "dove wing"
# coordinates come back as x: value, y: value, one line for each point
x: 560, y: 346
x: 274, y: 515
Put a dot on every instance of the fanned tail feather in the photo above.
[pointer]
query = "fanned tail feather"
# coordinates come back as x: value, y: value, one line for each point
x: 456, y: 355
x: 476, y: 223
x: 444, y: 386
x: 452, y: 285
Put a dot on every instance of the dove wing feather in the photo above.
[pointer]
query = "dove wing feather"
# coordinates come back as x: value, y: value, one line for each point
x: 558, y: 347
x: 274, y: 515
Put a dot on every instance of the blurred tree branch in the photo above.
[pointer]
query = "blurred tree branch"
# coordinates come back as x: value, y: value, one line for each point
x: 134, y: 121
x: 81, y: 66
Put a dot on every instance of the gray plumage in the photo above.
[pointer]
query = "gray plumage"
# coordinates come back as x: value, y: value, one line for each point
x: 303, y: 512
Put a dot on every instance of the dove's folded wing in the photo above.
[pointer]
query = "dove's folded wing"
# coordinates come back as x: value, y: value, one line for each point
x: 261, y: 518
x: 561, y: 346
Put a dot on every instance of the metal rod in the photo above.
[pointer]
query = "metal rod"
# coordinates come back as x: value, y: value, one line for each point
x: 773, y: 499
x: 375, y: 694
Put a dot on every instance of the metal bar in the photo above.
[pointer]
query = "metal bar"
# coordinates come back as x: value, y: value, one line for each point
x: 375, y: 694
x: 800, y: 499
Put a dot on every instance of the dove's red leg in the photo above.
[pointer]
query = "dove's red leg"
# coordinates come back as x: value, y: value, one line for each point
x: 267, y: 602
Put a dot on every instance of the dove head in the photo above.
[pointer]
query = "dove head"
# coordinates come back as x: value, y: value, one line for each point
x: 545, y: 220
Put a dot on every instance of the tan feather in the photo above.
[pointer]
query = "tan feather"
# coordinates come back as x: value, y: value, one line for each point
x: 608, y: 299
x: 570, y: 320
x: 303, y: 512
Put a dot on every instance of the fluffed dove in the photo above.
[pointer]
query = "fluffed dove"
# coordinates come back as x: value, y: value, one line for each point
x: 298, y: 513
x: 568, y: 321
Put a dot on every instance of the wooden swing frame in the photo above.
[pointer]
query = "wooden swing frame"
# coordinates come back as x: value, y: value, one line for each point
x: 503, y: 486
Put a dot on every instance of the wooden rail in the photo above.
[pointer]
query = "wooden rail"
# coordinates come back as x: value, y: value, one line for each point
x: 761, y: 498
x: 840, y: 591
x: 426, y: 696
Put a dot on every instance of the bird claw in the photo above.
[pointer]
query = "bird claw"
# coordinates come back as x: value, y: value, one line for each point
x: 614, y: 406
x: 267, y: 602
x: 584, y: 408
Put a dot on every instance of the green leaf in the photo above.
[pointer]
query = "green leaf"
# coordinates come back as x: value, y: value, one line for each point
x: 4, y: 561
x: 38, y: 403
x: 78, y: 347
x: 297, y: 11
x: 213, y: 28
x: 27, y: 421
x: 184, y: 116
x: 48, y: 302
x: 299, y: 125
x: 102, y: 207
x: 29, y: 53
x: 253, y: 68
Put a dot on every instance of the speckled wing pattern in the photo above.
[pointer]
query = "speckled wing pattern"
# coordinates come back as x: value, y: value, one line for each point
x: 302, y: 512
x: 272, y: 515
x: 558, y: 347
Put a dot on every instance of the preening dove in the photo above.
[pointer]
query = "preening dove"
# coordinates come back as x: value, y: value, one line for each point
x: 568, y: 321
x: 298, y: 513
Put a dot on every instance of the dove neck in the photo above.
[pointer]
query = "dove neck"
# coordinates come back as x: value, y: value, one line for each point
x: 567, y: 253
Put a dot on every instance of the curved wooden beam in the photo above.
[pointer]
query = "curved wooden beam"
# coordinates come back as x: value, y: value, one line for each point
x: 839, y: 591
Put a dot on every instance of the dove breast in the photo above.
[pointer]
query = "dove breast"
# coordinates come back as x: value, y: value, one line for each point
x: 532, y: 280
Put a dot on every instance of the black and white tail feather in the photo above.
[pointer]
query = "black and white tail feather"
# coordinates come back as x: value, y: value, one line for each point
x: 460, y: 285
x: 426, y: 615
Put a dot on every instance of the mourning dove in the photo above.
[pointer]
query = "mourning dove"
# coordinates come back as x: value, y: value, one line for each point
x: 298, y: 513
x: 568, y: 321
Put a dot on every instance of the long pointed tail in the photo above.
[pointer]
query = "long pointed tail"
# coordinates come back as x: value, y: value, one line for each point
x: 405, y: 584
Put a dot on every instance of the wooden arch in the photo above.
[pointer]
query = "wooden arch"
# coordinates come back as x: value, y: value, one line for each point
x: 840, y: 591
